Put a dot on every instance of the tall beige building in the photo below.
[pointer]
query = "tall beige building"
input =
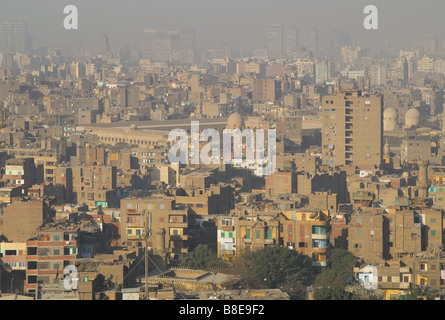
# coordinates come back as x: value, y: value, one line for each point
x: 352, y: 129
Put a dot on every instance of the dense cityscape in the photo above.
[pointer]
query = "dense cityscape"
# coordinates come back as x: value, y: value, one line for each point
x: 93, y: 208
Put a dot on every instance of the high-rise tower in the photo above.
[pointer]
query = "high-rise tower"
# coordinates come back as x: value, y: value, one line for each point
x: 352, y: 129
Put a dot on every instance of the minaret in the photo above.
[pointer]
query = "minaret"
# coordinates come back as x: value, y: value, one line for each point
x: 422, y: 179
x: 387, y: 155
x: 386, y: 151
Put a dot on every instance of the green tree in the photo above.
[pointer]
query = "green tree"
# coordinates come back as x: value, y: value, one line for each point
x: 277, y: 267
x: 202, y: 258
x: 335, y: 293
x: 340, y: 269
x: 415, y: 293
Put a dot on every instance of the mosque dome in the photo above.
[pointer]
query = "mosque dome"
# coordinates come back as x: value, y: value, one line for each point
x: 390, y: 119
x: 412, y: 118
x: 235, y: 121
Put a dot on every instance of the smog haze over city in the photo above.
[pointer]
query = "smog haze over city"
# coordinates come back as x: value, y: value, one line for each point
x: 242, y: 22
x: 203, y: 151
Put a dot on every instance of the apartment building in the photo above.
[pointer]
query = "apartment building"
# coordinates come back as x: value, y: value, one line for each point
x: 217, y: 199
x: 266, y: 90
x: 376, y: 237
x: 21, y: 218
x: 169, y: 224
x: 253, y: 233
x: 309, y: 233
x: 20, y: 172
x: 352, y: 129
x: 57, y: 245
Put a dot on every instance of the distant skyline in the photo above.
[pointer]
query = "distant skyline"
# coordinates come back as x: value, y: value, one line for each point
x: 242, y: 22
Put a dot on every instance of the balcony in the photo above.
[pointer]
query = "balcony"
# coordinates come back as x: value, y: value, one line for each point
x: 319, y: 236
x: 133, y: 225
x: 246, y: 240
x: 178, y: 224
x: 134, y: 237
x: 319, y: 263
x: 179, y: 237
x: 269, y: 241
x: 319, y: 250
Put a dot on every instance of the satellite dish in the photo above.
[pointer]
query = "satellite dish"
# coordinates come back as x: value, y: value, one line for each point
x: 313, y: 215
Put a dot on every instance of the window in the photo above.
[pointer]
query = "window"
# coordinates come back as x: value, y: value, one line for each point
x: 56, y: 237
x: 56, y: 252
x: 318, y: 230
x: 257, y: 234
x: 247, y: 233
x: 32, y: 279
x: 226, y: 223
x: 358, y: 232
x: 129, y: 231
x: 433, y: 220
x: 301, y: 245
x: 433, y: 232
x: 319, y: 243
x: 269, y: 234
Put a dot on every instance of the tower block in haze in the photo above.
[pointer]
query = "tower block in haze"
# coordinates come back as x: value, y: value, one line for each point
x: 352, y: 130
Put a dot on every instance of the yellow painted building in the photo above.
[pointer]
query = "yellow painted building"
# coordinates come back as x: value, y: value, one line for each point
x: 308, y: 232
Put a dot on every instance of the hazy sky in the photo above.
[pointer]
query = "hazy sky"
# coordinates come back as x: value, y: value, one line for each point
x: 243, y: 22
